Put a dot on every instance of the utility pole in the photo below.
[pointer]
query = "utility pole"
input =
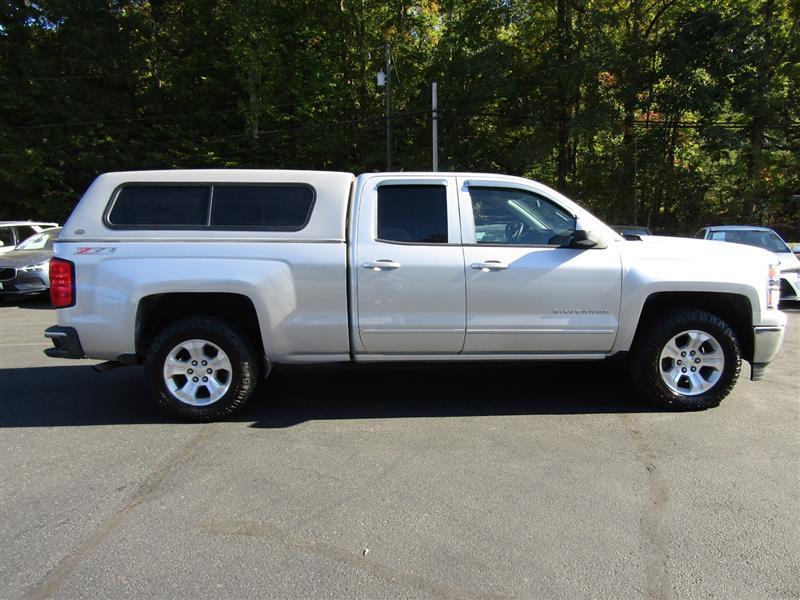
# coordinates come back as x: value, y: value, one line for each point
x: 435, y: 124
x: 253, y: 91
x: 388, y: 108
x: 635, y: 182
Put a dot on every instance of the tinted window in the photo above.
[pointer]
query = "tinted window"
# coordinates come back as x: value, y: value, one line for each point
x: 262, y: 206
x: 412, y: 213
x: 6, y: 236
x: 25, y: 232
x: 161, y: 206
x: 752, y: 237
x: 40, y: 241
x: 633, y: 231
x: 511, y: 216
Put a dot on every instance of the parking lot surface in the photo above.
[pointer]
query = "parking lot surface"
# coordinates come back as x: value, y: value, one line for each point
x: 427, y: 481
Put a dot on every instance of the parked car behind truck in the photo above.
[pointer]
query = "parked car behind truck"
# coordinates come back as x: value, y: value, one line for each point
x: 13, y: 233
x: 768, y: 239
x: 211, y: 277
x: 25, y: 270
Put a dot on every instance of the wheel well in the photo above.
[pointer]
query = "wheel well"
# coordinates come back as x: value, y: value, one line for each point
x: 161, y: 310
x: 735, y: 309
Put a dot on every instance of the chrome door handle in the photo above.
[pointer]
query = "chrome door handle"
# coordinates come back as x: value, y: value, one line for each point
x: 490, y: 265
x: 381, y: 265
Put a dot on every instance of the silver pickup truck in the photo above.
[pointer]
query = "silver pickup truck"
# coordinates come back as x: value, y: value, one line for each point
x: 209, y: 277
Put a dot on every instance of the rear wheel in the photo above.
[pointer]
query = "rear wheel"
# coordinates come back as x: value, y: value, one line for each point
x: 686, y: 359
x: 201, y: 368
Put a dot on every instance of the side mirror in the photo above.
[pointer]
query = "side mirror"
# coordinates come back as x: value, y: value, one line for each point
x: 796, y: 248
x: 583, y: 239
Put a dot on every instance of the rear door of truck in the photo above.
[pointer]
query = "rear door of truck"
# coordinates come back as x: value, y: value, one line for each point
x: 409, y: 265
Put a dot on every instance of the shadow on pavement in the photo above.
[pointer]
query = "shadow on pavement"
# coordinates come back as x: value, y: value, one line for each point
x: 29, y: 302
x: 791, y: 306
x: 76, y: 395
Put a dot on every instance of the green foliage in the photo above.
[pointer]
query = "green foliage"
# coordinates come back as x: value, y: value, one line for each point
x: 669, y: 113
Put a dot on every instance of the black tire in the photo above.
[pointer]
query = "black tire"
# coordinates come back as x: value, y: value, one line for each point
x: 646, y: 364
x: 226, y: 336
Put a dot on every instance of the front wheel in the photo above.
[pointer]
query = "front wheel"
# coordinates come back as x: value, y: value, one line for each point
x: 686, y: 359
x: 201, y: 368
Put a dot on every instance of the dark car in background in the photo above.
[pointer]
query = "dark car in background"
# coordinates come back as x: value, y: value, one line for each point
x: 631, y: 230
x: 24, y: 270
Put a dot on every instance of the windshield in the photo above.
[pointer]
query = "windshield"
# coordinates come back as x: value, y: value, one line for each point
x: 633, y: 231
x: 769, y: 240
x: 40, y: 241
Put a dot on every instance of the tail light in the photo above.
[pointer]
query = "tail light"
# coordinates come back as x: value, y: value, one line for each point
x: 774, y: 287
x: 62, y: 283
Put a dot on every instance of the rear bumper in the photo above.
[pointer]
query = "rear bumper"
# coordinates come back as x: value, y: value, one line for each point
x: 767, y: 340
x: 66, y: 343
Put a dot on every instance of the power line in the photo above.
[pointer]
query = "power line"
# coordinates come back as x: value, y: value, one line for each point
x: 654, y: 123
x: 214, y: 67
x: 217, y: 67
x: 281, y: 130
x: 173, y: 116
x: 125, y: 120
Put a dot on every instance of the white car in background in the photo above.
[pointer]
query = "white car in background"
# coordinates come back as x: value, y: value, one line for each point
x: 766, y: 238
x: 12, y: 233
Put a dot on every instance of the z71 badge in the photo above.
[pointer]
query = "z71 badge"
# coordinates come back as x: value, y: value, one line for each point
x: 96, y: 250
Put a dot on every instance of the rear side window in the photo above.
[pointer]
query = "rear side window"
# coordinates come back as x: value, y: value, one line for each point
x: 205, y: 206
x: 161, y: 206
x: 412, y: 214
x: 262, y: 206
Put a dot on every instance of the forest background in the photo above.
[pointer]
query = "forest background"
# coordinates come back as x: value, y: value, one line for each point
x: 669, y: 113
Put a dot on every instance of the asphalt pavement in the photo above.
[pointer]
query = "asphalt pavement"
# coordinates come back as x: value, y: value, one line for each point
x: 411, y: 481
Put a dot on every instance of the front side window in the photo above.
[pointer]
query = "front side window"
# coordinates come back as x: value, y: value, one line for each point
x: 512, y: 216
x: 412, y: 214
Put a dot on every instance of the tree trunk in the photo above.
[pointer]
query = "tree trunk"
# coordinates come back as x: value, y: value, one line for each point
x: 565, y: 167
x: 755, y: 159
x: 252, y: 88
x: 632, y: 74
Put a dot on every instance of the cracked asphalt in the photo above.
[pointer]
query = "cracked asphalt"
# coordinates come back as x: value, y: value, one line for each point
x: 499, y: 481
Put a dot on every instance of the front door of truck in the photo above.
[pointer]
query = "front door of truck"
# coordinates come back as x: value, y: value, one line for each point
x: 526, y: 291
x: 410, y: 282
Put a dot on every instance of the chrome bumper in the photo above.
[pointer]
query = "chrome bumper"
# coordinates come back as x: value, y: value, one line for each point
x: 767, y: 340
